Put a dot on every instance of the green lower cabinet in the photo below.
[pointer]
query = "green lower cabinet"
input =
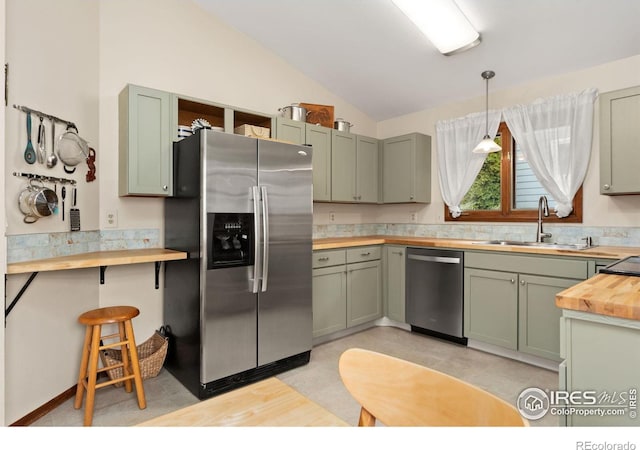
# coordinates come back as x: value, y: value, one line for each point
x: 364, y: 287
x: 329, y: 300
x: 601, y: 356
x: 394, y: 282
x: 347, y: 288
x: 491, y: 307
x: 514, y: 311
x: 539, y: 318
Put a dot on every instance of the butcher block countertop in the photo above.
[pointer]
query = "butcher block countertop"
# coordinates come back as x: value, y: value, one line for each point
x: 609, y: 295
x: 469, y: 244
x: 96, y: 259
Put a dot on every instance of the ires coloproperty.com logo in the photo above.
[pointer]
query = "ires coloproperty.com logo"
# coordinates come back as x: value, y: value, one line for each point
x: 534, y: 403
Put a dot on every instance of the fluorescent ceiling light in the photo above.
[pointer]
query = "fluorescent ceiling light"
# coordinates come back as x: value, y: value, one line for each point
x: 442, y: 22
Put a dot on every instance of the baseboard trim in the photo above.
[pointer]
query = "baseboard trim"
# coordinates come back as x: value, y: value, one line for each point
x: 45, y: 409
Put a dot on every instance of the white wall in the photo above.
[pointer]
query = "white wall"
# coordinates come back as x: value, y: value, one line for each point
x: 52, y: 50
x: 3, y: 242
x: 599, y: 210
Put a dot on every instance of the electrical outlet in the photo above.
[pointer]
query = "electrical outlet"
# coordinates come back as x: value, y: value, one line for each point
x: 413, y: 217
x: 332, y: 216
x: 111, y: 218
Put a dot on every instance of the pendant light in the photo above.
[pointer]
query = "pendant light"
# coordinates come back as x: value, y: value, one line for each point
x: 487, y: 145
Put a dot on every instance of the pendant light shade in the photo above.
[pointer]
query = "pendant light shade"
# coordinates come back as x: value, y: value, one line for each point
x: 487, y: 145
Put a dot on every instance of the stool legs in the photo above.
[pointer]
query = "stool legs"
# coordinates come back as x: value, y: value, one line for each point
x: 126, y: 369
x: 92, y: 375
x: 142, y: 402
x: 88, y: 373
x: 83, y: 368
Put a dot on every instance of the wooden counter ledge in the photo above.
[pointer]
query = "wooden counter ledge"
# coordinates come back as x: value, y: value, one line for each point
x: 609, y: 295
x: 605, y: 252
x: 96, y: 259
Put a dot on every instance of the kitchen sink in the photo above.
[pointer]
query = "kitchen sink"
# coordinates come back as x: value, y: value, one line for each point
x: 551, y: 245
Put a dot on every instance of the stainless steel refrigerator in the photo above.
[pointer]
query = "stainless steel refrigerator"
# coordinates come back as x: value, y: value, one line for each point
x: 239, y: 308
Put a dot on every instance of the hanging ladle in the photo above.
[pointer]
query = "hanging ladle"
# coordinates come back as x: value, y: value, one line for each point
x: 52, y: 159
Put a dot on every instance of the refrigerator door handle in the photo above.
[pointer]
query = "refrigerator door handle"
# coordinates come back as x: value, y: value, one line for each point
x: 265, y: 236
x: 257, y: 223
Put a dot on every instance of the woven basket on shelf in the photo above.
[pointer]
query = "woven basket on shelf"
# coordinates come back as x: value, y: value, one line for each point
x: 151, y: 355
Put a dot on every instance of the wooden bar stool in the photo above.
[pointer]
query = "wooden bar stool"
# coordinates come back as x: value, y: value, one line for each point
x: 94, y: 342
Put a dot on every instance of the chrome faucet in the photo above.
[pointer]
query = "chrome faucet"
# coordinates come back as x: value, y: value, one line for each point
x: 543, y: 208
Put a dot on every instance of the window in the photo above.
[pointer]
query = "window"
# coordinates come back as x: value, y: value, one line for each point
x: 506, y: 190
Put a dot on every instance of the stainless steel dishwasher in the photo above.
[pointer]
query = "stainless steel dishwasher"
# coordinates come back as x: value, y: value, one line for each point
x: 434, y: 293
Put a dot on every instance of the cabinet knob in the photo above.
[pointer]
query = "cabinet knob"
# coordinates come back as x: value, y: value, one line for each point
x: 522, y: 282
x: 411, y: 197
x: 606, y: 187
x: 324, y: 258
x: 165, y: 187
x: 513, y: 281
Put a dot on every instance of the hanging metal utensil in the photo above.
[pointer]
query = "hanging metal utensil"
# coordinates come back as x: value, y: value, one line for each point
x: 74, y: 213
x: 37, y: 201
x: 72, y: 149
x: 29, y: 152
x: 64, y: 194
x: 52, y: 159
x: 42, y: 151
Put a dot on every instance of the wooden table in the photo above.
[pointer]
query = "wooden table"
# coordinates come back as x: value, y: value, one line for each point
x: 267, y: 403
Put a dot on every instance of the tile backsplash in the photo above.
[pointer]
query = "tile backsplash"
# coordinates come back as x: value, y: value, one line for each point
x: 27, y: 247
x: 565, y: 234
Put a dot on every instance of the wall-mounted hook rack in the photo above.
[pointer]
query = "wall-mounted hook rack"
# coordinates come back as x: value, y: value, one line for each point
x: 48, y: 116
x: 47, y: 178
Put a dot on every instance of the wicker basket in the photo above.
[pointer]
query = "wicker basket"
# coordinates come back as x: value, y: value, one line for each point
x: 151, y: 355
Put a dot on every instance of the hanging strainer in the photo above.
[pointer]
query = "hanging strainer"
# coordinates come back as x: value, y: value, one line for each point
x: 72, y: 149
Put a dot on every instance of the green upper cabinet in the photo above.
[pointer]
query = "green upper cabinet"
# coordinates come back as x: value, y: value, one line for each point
x: 292, y: 131
x: 620, y: 141
x: 320, y: 140
x: 148, y: 120
x: 354, y: 168
x: 343, y: 166
x: 367, y: 169
x: 406, y: 169
x: 145, y: 147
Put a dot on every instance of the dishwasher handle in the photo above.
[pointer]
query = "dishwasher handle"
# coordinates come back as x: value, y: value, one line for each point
x: 437, y: 259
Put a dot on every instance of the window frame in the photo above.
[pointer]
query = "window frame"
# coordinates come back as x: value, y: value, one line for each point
x: 507, y: 213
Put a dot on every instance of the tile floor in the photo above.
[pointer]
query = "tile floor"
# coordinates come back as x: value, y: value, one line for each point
x: 320, y: 381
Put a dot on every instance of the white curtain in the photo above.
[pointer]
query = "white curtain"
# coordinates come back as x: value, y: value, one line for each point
x: 555, y: 136
x: 458, y: 166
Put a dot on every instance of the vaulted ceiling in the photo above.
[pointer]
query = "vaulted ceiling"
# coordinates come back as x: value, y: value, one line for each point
x: 371, y: 55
